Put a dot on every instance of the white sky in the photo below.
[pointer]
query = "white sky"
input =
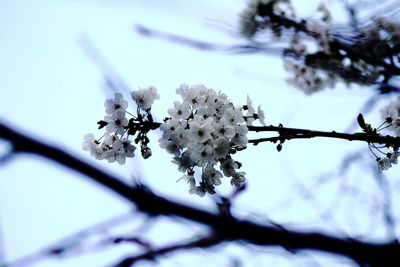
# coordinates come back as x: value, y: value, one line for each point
x: 51, y: 89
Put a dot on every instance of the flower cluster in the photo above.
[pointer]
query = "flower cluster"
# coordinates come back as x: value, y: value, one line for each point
x: 307, y: 79
x: 386, y: 154
x: 320, y: 54
x: 391, y: 115
x: 116, y: 146
x: 386, y: 162
x: 205, y: 129
x: 381, y: 38
x: 256, y: 16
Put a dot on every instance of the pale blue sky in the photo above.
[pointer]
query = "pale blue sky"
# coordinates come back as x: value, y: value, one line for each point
x: 50, y: 88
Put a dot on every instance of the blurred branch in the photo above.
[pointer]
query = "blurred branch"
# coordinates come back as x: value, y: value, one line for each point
x: 135, y: 240
x: 388, y: 217
x: 203, y: 242
x: 258, y: 47
x: 69, y: 243
x: 226, y: 228
x: 206, y: 46
x: 352, y: 12
x: 112, y: 79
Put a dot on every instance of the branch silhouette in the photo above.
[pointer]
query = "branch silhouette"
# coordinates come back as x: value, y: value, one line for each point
x: 294, y: 133
x: 224, y: 228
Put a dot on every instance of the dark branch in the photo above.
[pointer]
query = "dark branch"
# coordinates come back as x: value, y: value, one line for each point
x: 227, y: 228
x: 294, y: 133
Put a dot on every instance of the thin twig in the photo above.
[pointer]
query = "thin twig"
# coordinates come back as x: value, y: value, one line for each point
x: 295, y: 133
x: 68, y: 243
x: 203, y: 242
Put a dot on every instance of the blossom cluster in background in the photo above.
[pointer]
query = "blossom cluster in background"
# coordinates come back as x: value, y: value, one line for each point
x: 319, y: 53
x: 206, y: 129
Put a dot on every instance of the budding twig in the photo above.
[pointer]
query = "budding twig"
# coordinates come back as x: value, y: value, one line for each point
x: 294, y: 133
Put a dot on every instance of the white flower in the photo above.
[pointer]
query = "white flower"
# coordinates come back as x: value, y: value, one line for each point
x: 393, y: 156
x: 192, y: 95
x: 116, y: 122
x: 249, y: 104
x: 191, y: 181
x: 212, y: 175
x: 198, y: 190
x: 145, y: 97
x: 224, y: 129
x: 206, y: 186
x: 233, y: 116
x: 93, y: 146
x: 181, y: 111
x: 184, y: 161
x: 183, y: 90
x: 240, y: 140
x: 384, y: 164
x: 116, y: 104
x: 392, y: 111
x: 202, y: 155
x: 205, y: 111
x: 221, y: 104
x: 88, y: 142
x: 173, y: 127
x: 238, y: 179
x: 240, y: 137
x: 114, y: 150
x: 111, y: 149
x: 200, y: 129
x: 128, y: 148
x: 211, y: 99
x: 241, y: 129
x: 170, y: 146
x: 307, y: 79
x: 250, y: 111
x: 116, y: 155
x: 228, y: 167
x: 261, y: 115
x: 221, y: 148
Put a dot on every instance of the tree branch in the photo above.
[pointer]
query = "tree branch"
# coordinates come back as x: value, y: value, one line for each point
x: 226, y: 228
x: 294, y: 133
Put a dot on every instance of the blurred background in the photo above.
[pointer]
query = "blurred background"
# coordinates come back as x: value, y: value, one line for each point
x: 60, y: 60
